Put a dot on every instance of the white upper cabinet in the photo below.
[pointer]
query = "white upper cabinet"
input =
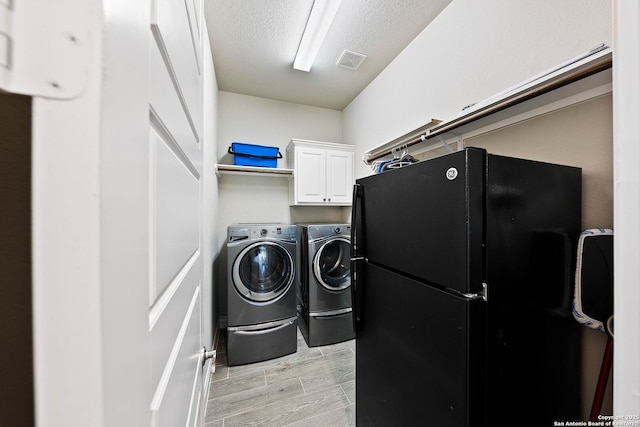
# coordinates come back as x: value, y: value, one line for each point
x: 322, y: 173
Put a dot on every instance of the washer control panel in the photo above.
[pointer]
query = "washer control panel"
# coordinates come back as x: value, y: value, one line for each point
x: 278, y: 232
x: 239, y: 232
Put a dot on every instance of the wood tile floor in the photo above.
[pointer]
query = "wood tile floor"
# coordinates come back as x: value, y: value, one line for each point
x: 312, y: 387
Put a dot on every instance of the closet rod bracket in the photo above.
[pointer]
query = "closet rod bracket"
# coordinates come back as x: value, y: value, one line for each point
x: 445, y: 144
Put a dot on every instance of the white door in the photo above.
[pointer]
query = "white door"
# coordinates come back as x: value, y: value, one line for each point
x: 176, y: 173
x: 117, y: 223
x: 339, y: 176
x: 90, y: 207
x: 310, y: 179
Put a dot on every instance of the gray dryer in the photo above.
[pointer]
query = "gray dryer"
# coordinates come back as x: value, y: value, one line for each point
x: 324, y: 283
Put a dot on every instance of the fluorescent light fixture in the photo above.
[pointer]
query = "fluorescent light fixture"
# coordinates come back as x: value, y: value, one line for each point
x: 320, y: 19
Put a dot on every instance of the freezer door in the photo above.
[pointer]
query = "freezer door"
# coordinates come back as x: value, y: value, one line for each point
x: 426, y: 220
x: 419, y: 354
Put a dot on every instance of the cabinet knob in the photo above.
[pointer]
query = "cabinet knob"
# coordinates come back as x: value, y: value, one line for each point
x: 324, y: 200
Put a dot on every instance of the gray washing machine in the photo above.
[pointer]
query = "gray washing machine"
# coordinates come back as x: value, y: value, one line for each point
x: 324, y: 283
x: 261, y: 295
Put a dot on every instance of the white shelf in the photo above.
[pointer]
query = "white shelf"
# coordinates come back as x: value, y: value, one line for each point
x: 577, y: 80
x: 222, y: 169
x: 567, y: 81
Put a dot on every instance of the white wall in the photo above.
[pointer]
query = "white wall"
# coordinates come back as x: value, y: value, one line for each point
x: 255, y: 120
x: 471, y: 51
x: 264, y: 121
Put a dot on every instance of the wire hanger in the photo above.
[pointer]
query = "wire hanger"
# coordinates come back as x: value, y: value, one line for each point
x: 401, y: 158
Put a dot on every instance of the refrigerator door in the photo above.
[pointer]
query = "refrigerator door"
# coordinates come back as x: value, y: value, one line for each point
x: 419, y: 355
x: 426, y: 220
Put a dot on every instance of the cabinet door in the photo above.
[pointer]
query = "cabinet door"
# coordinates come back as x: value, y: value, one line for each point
x: 339, y: 176
x: 310, y: 179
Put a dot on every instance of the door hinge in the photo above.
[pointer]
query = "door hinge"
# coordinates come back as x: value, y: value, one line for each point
x: 484, y: 294
x: 45, y: 46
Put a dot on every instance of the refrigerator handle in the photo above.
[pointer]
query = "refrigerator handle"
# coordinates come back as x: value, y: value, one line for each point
x: 356, y: 258
x: 355, y: 220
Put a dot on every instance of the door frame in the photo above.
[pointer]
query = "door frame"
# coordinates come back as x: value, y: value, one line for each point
x: 91, y: 349
x: 626, y: 152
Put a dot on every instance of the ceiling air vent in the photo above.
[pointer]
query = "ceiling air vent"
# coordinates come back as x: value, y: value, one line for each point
x: 350, y: 60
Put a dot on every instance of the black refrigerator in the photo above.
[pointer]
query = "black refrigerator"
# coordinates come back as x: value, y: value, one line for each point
x: 462, y: 283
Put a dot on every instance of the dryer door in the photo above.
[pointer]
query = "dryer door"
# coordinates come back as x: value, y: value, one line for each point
x: 331, y: 264
x: 263, y: 272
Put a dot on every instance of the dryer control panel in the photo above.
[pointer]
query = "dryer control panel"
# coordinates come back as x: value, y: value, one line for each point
x: 321, y: 231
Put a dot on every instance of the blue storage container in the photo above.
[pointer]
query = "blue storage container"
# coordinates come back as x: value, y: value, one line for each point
x: 254, y: 155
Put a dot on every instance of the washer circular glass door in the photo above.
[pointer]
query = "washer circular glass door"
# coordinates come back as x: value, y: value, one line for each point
x: 263, y: 271
x: 331, y: 264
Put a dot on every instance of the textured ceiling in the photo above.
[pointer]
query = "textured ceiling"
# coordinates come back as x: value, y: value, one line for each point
x: 254, y: 43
